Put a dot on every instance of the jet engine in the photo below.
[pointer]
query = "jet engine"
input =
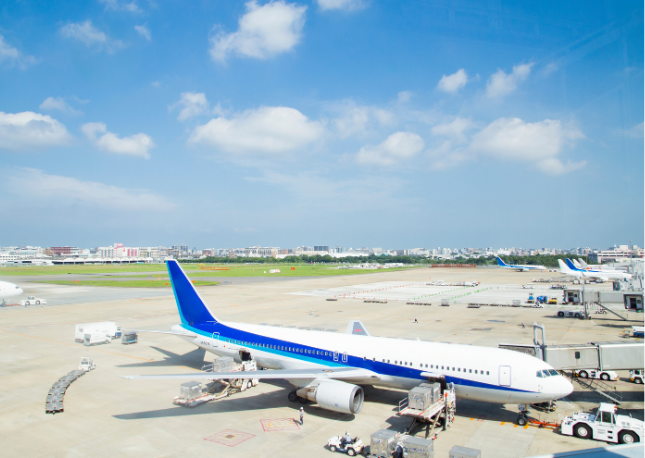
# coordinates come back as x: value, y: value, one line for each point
x: 335, y: 396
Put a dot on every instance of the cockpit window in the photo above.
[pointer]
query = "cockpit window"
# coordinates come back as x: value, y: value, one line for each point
x: 539, y: 374
x: 553, y: 372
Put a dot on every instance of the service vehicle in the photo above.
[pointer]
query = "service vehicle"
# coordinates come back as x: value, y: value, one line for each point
x: 541, y: 299
x: 570, y: 313
x: 87, y: 364
x: 354, y: 446
x: 553, y: 300
x: 636, y: 376
x: 604, y: 425
x: 593, y: 373
x: 108, y: 327
x: 33, y: 300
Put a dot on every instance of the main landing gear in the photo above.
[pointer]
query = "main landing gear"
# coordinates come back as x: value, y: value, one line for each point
x: 293, y: 397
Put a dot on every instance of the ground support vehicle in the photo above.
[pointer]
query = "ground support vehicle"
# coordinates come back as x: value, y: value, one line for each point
x: 33, y: 300
x: 191, y: 395
x: 352, y: 447
x: 594, y: 374
x: 87, y: 364
x: 636, y: 376
x: 570, y: 313
x: 108, y: 327
x: 435, y: 409
x: 553, y: 300
x: 604, y: 425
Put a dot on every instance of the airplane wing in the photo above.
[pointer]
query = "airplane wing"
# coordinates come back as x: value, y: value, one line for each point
x: 172, y: 333
x: 324, y: 372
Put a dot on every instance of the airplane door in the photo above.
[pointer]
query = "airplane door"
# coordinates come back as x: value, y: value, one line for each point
x: 504, y: 375
x: 216, y: 339
x: 344, y: 356
x: 335, y: 356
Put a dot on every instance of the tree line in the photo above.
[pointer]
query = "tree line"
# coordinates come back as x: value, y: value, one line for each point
x: 545, y: 260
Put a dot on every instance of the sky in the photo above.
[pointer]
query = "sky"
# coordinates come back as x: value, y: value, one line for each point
x: 350, y: 123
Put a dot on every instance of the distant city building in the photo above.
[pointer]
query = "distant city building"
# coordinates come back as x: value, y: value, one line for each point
x: 64, y: 250
x: 321, y: 248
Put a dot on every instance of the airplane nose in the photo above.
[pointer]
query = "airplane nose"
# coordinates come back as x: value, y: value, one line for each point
x: 565, y: 387
x: 20, y: 291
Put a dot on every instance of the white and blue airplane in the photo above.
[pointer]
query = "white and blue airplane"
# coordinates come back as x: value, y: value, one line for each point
x: 8, y: 290
x: 518, y: 267
x: 569, y: 268
x: 329, y: 368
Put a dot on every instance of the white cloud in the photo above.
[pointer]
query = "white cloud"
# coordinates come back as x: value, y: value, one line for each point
x: 550, y: 68
x: 143, y: 31
x: 90, y: 36
x: 264, y: 31
x: 634, y: 132
x: 455, y: 130
x: 29, y: 130
x: 58, y: 103
x: 396, y: 147
x: 11, y: 55
x: 404, y: 96
x: 501, y: 84
x: 270, y: 130
x: 353, y: 119
x: 135, y: 145
x: 193, y: 103
x: 61, y: 191
x: 116, y: 5
x: 347, y: 5
x: 539, y: 143
x: 452, y: 83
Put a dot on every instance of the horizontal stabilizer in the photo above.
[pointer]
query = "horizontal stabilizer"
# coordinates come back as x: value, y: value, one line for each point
x: 325, y: 372
x: 357, y: 328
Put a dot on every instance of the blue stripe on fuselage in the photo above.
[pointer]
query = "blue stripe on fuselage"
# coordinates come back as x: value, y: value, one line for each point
x: 226, y: 332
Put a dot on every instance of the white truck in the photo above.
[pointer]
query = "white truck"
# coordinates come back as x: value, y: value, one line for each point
x: 33, y: 300
x: 109, y: 328
x: 570, y: 313
x: 604, y: 425
x: 594, y: 374
x: 636, y: 376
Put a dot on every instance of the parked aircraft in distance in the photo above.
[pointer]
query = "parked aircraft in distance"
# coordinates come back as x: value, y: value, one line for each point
x: 581, y: 264
x: 518, y: 267
x: 8, y: 290
x: 569, y: 268
x: 329, y: 368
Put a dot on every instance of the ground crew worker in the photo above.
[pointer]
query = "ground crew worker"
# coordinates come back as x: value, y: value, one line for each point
x: 523, y: 325
x: 415, y: 319
x: 302, y: 415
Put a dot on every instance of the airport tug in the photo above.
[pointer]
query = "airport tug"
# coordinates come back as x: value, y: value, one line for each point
x: 604, y: 425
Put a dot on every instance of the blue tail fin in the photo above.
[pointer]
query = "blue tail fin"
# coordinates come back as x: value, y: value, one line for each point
x: 191, y: 307
x: 570, y: 264
x: 500, y: 262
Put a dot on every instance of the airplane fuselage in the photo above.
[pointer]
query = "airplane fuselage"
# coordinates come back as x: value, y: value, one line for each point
x: 479, y: 373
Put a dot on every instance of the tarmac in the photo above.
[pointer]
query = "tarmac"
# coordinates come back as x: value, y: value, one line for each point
x: 106, y: 415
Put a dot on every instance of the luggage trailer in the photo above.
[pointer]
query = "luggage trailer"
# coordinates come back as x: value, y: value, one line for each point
x: 428, y: 404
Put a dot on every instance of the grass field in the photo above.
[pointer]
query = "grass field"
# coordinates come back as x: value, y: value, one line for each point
x: 306, y: 270
x: 126, y: 283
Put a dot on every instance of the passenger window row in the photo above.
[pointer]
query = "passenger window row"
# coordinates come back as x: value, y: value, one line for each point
x: 281, y: 348
x: 432, y: 366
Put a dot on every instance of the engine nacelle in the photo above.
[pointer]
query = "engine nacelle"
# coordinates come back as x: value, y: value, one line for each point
x: 335, y: 396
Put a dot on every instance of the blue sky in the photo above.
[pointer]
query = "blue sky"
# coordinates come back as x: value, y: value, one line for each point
x: 332, y: 122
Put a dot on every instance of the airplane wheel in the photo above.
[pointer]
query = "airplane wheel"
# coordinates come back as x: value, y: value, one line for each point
x: 604, y: 377
x: 627, y: 437
x: 293, y: 397
x: 582, y: 431
x: 521, y: 421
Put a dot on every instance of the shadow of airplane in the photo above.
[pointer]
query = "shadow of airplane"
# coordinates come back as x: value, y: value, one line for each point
x: 193, y: 359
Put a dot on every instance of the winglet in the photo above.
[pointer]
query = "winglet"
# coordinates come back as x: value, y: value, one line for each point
x: 500, y: 262
x: 357, y: 328
x: 192, y: 308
